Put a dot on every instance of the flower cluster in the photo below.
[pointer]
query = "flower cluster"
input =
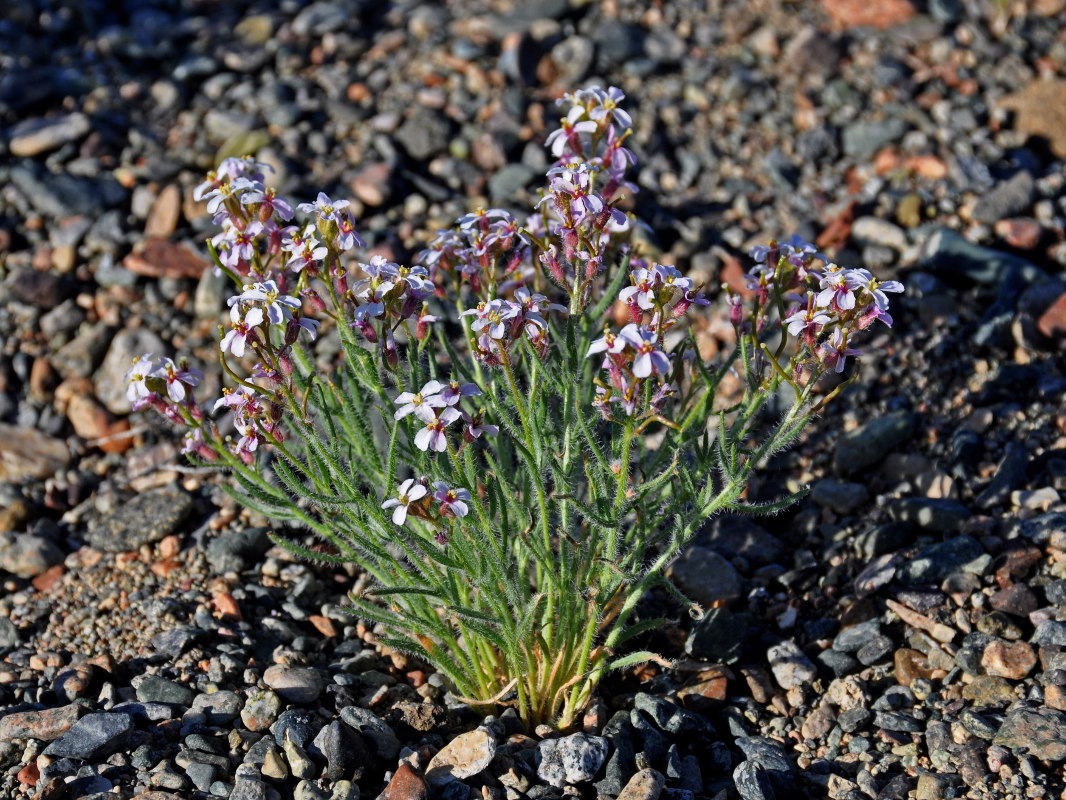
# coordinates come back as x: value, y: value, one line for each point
x: 437, y: 405
x: 828, y: 304
x: 389, y: 295
x: 499, y: 323
x: 658, y: 295
x: 587, y: 182
x: 486, y: 250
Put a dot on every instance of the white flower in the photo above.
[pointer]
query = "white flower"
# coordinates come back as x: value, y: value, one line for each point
x: 410, y: 491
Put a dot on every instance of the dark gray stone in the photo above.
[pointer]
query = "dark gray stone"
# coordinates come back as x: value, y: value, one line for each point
x: 1007, y: 199
x: 1009, y: 476
x: 145, y: 519
x: 931, y: 514
x: 947, y: 253
x: 718, y: 637
x: 93, y: 737
x: 936, y: 562
x: 868, y: 444
x: 153, y: 689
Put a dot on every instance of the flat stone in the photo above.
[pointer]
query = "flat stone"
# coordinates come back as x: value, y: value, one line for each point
x: 790, y: 665
x: 27, y: 453
x: 718, y: 637
x: 47, y: 724
x: 704, y: 576
x: 839, y: 496
x: 1011, y: 660
x: 27, y: 555
x: 868, y: 444
x: 1040, y: 730
x: 166, y: 212
x: 160, y: 258
x: 93, y: 737
x: 1007, y: 198
x: 154, y: 689
x: 32, y: 137
x: 145, y: 519
x: 296, y: 684
x: 937, y: 515
x: 1040, y: 110
x: 868, y: 13
x: 645, y: 785
x: 934, y: 563
x: 463, y: 757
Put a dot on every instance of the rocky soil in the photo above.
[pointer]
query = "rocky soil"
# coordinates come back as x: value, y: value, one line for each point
x: 900, y: 633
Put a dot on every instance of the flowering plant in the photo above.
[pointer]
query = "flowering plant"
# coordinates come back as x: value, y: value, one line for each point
x: 512, y: 472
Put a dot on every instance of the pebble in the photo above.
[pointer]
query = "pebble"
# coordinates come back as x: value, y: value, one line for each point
x: 644, y: 785
x: 296, y: 684
x: 1011, y: 660
x: 704, y: 576
x: 570, y: 759
x: 868, y: 444
x: 1040, y: 731
x: 463, y: 757
x: 406, y: 784
x: 47, y: 724
x: 94, y: 736
x: 27, y: 453
x: 790, y: 665
x: 147, y: 518
x: 31, y: 137
x: 935, y: 562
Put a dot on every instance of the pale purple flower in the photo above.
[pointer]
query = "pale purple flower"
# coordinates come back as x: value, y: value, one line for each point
x: 642, y: 292
x: 278, y: 307
x: 480, y: 216
x: 325, y: 208
x: 608, y: 342
x: 236, y: 167
x: 649, y: 359
x: 670, y: 276
x: 475, y: 427
x: 178, y: 378
x: 835, y: 352
x: 410, y: 491
x: 347, y: 238
x: 452, y: 501
x: 607, y: 107
x: 235, y: 341
x: 569, y: 131
x: 421, y: 403
x: 454, y: 391
x: 806, y: 322
x: 837, y: 289
x: 139, y: 371
x: 432, y: 436
x: 863, y: 279
x: 495, y: 315
x: 268, y: 201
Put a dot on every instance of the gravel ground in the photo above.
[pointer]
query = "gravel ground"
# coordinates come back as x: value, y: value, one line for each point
x: 900, y: 633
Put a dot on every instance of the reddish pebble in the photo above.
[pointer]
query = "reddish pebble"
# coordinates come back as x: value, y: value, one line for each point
x: 1021, y: 233
x: 164, y: 568
x: 323, y: 625
x: 1052, y: 322
x: 29, y: 774
x: 48, y: 579
x: 225, y: 605
x: 170, y: 546
x: 1010, y: 660
x: 416, y: 677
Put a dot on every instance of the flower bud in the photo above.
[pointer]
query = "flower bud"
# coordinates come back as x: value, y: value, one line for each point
x: 314, y: 298
x: 285, y: 362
